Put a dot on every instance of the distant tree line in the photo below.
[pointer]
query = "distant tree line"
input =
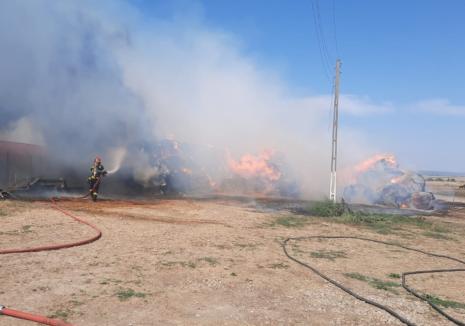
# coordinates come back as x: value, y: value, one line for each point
x: 441, y: 179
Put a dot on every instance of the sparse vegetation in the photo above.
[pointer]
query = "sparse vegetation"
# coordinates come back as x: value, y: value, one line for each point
x: 383, y: 223
x: 394, y: 275
x: 444, y: 303
x: 212, y: 261
x: 26, y: 228
x: 374, y: 282
x: 126, y: 294
x: 189, y: 264
x: 325, y: 209
x: 278, y: 266
x: 290, y: 221
x: 436, y: 235
x: 41, y: 289
x: 110, y: 280
x: 380, y: 223
x: 247, y: 245
x: 61, y: 314
x: 328, y: 254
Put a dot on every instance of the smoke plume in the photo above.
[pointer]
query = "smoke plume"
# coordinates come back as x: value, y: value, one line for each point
x: 95, y: 77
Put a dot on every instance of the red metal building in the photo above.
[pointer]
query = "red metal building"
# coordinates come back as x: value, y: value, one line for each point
x: 20, y: 163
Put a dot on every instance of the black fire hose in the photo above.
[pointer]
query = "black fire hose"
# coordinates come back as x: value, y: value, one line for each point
x: 434, y: 306
x: 404, y: 285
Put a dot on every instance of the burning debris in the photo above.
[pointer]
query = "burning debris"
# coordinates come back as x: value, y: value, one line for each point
x: 379, y: 180
x: 170, y: 167
x: 261, y: 174
x: 261, y: 166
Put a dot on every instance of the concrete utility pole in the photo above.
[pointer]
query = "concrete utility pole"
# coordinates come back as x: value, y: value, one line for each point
x: 333, y: 181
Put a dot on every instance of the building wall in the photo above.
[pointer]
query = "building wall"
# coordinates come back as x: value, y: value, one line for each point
x: 20, y: 163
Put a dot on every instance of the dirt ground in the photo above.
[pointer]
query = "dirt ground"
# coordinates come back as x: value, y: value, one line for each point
x: 220, y: 262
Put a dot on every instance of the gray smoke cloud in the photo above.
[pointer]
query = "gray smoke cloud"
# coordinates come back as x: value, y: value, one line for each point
x: 88, y: 77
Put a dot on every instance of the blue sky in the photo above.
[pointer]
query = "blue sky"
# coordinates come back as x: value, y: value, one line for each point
x: 403, y: 55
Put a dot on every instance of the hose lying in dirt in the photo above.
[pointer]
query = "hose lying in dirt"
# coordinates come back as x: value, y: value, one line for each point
x: 404, y: 285
x: 59, y: 246
x: 37, y: 318
x: 434, y: 306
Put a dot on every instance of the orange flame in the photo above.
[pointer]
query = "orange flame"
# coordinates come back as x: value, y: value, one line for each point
x: 250, y: 166
x: 370, y: 163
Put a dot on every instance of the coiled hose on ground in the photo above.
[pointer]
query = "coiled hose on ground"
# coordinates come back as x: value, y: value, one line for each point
x: 403, y: 276
x: 37, y: 318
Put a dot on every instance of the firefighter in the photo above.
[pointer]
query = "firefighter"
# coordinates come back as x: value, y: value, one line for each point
x: 97, y: 173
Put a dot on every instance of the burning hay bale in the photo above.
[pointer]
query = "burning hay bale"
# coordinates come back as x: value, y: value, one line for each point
x: 170, y: 167
x: 260, y: 174
x: 380, y: 181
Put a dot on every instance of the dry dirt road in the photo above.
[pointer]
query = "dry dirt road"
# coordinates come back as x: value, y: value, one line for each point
x: 199, y: 262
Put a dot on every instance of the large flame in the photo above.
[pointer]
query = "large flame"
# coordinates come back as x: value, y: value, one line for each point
x: 252, y: 166
x: 389, y: 159
x: 379, y: 180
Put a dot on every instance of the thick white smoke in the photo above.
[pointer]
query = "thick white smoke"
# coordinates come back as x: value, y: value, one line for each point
x: 90, y: 77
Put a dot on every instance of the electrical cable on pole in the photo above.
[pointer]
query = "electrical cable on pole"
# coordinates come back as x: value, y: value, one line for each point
x: 335, y: 29
x: 324, y: 55
x: 333, y: 178
x: 326, y: 58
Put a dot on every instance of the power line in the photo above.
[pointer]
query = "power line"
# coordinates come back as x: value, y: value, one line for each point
x: 320, y: 25
x: 335, y: 29
x: 320, y: 41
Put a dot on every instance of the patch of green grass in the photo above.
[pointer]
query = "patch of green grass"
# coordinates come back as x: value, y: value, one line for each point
x: 3, y: 212
x: 380, y: 223
x: 394, y: 275
x: 383, y: 223
x: 290, y: 221
x: 357, y: 276
x: 444, y: 303
x: 375, y: 282
x: 126, y: 294
x: 328, y: 254
x: 325, y: 209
